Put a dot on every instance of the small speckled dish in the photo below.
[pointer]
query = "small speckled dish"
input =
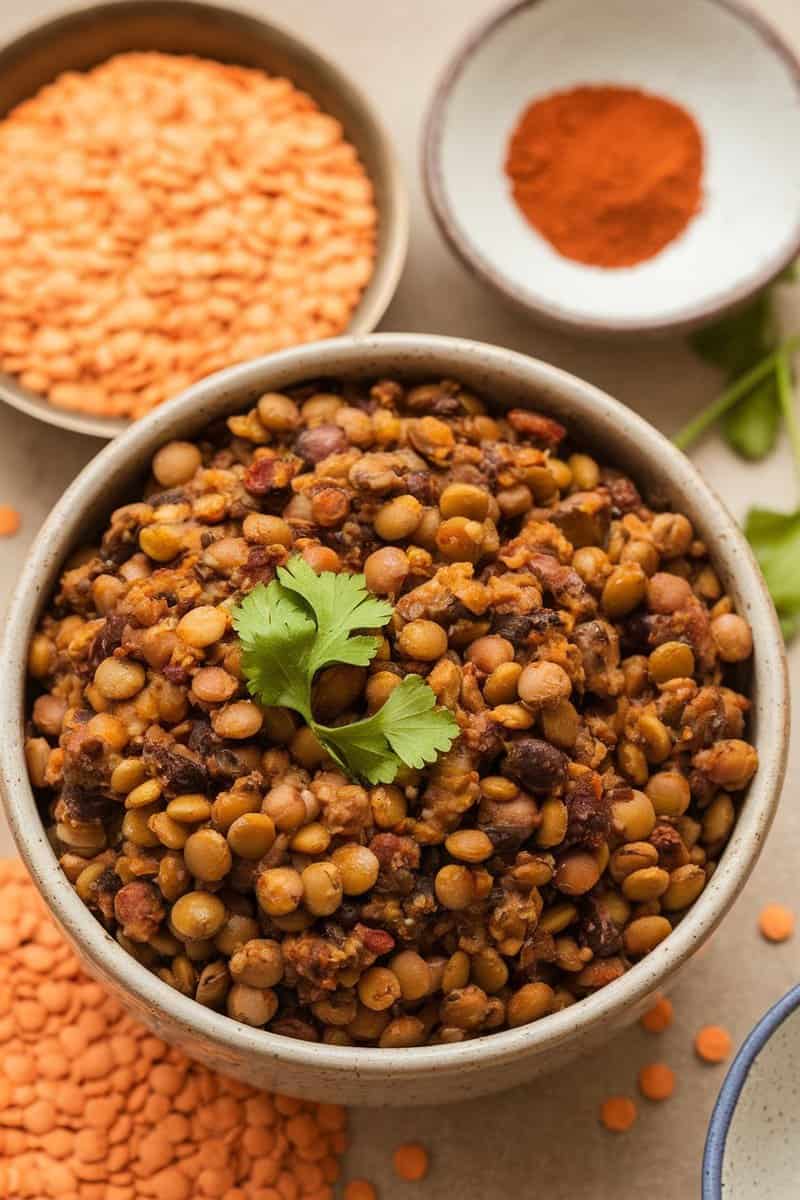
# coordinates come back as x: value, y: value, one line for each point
x: 89, y: 35
x: 732, y: 72
x: 752, y: 1150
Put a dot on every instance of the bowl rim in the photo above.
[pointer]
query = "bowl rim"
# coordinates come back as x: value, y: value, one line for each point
x: 550, y: 313
x: 732, y: 1087
x: 395, y: 214
x: 226, y: 392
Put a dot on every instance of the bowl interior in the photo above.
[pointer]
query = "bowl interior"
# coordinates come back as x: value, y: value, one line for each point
x: 88, y: 36
x: 743, y: 89
x: 753, y: 1151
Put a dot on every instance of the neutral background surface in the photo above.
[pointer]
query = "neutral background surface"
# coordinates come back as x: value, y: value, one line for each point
x: 543, y: 1139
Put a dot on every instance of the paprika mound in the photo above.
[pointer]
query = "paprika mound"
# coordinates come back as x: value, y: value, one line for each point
x: 608, y: 175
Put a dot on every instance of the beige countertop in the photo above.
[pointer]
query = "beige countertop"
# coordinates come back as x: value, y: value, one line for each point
x: 543, y: 1139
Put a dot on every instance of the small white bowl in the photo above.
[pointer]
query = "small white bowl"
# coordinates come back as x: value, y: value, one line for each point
x: 729, y: 69
x: 752, y: 1150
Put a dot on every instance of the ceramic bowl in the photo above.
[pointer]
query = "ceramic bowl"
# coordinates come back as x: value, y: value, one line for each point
x: 721, y: 62
x: 429, y: 1074
x: 752, y: 1150
x: 87, y: 36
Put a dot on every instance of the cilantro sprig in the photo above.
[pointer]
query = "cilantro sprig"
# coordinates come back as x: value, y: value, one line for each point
x: 303, y: 622
x: 759, y: 397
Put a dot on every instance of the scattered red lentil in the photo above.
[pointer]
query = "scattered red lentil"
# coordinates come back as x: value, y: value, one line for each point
x: 94, y: 1107
x: 618, y: 1113
x: 9, y: 520
x: 713, y: 1044
x: 360, y: 1189
x: 657, y: 1081
x: 411, y: 1161
x: 658, y: 1018
x: 776, y: 922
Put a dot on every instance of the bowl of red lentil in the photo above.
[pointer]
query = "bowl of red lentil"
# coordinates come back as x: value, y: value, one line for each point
x: 598, y: 183
x: 512, y: 898
x: 188, y: 187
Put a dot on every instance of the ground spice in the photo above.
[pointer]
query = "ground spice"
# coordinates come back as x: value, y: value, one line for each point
x: 609, y: 175
x: 94, y: 1107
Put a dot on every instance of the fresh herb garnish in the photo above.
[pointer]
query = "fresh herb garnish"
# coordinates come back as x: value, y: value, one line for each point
x: 759, y: 396
x: 735, y: 345
x: 303, y: 622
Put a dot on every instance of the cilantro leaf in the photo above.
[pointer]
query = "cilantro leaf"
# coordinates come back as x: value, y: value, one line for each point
x: 752, y: 426
x: 739, y: 340
x: 775, y: 538
x: 409, y: 726
x: 339, y: 604
x: 276, y: 635
x: 737, y: 344
x: 303, y: 622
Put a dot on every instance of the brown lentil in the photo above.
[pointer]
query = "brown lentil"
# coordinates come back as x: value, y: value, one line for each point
x: 585, y: 803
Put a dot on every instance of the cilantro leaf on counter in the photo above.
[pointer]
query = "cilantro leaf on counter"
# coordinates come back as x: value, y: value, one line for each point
x: 752, y: 426
x: 736, y: 344
x: 775, y: 538
x: 302, y: 622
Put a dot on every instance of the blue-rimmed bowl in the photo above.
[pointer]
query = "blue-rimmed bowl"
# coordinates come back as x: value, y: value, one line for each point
x: 752, y: 1150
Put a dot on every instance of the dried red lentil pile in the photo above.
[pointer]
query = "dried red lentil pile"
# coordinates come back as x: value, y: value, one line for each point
x: 94, y: 1107
x: 167, y: 216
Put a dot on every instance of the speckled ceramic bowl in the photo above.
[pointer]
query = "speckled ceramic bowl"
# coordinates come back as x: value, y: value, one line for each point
x: 430, y: 1074
x: 752, y: 1150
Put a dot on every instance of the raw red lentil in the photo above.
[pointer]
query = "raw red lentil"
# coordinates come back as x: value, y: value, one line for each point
x: 578, y: 815
x: 618, y: 1113
x: 658, y: 1018
x: 91, y: 1103
x: 713, y: 1044
x: 167, y: 216
x: 776, y: 922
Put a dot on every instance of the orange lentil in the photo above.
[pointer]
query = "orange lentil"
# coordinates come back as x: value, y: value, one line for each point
x: 411, y: 1161
x: 657, y: 1081
x: 713, y: 1044
x: 776, y: 922
x: 360, y: 1189
x: 659, y: 1017
x: 9, y: 520
x: 77, y: 1126
x: 618, y: 1113
x: 148, y: 261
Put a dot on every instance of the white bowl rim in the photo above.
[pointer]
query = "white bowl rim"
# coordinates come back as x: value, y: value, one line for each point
x: 389, y: 262
x: 387, y: 351
x: 733, y: 1086
x: 551, y: 313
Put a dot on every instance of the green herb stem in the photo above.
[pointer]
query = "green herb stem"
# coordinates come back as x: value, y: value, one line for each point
x: 783, y: 372
x: 687, y: 436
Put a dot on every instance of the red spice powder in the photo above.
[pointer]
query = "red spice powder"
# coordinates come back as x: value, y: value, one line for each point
x: 609, y: 175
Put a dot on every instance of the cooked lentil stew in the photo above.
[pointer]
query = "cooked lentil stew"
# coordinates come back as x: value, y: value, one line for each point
x: 583, y: 641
